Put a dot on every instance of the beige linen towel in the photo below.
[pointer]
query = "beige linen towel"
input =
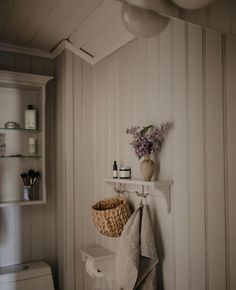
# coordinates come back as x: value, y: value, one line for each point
x: 137, y: 256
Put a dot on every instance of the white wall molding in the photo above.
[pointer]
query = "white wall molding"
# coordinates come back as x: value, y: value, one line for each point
x: 24, y: 78
x: 25, y: 50
x: 65, y: 44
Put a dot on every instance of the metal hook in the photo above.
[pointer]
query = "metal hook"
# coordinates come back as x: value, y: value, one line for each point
x: 141, y: 202
x: 119, y: 189
x: 142, y: 195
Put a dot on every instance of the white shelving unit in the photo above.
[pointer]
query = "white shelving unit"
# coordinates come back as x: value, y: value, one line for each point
x: 17, y: 91
x: 22, y: 203
x: 162, y: 186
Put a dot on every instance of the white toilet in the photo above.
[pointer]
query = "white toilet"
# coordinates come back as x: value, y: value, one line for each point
x: 29, y: 276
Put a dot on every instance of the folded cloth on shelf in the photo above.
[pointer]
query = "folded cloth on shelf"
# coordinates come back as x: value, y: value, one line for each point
x: 137, y: 255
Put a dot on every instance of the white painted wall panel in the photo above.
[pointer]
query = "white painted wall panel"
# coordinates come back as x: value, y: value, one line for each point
x: 180, y: 162
x: 79, y: 198
x: 177, y: 76
x: 196, y: 157
x: 215, y: 163
x: 219, y: 15
x: 23, y: 239
x: 231, y: 158
x: 161, y: 112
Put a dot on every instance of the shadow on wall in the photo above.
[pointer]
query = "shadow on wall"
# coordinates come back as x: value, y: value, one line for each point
x: 3, y: 232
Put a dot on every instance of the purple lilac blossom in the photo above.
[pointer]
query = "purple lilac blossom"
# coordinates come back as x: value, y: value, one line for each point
x: 148, y: 139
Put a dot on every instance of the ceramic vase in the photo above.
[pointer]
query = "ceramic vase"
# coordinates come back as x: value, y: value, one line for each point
x: 147, y: 167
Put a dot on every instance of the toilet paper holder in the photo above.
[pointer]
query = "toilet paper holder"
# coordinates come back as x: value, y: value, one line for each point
x: 99, y: 262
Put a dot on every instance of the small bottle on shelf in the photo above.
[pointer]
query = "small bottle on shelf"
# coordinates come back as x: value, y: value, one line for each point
x: 115, y: 170
x: 30, y: 118
x: 32, y: 147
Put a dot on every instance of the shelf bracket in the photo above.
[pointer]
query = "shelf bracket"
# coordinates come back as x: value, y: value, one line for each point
x: 166, y: 191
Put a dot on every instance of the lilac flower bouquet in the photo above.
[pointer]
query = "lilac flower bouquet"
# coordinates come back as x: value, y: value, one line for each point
x: 148, y: 139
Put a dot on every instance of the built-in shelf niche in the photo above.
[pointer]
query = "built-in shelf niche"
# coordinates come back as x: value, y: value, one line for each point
x: 17, y: 91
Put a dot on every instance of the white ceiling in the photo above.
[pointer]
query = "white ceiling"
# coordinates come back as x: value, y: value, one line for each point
x: 42, y: 23
x: 92, y: 28
x: 93, y: 25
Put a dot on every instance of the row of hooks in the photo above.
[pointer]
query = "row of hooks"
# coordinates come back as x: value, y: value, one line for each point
x: 120, y: 190
x: 164, y: 189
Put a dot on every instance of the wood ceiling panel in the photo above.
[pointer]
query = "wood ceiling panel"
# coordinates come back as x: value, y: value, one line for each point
x: 95, y: 22
x: 35, y: 20
x: 94, y: 25
x: 55, y: 20
x: 25, y: 19
x: 109, y: 38
x: 78, y: 16
x: 5, y: 8
x: 16, y: 18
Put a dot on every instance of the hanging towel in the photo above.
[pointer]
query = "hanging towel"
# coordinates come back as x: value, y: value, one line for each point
x: 137, y: 256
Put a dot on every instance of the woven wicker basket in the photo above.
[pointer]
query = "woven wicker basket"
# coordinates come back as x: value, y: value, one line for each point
x: 111, y: 215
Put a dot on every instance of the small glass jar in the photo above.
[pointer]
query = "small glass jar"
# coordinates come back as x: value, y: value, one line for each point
x: 32, y: 147
x: 125, y: 172
x: 2, y: 144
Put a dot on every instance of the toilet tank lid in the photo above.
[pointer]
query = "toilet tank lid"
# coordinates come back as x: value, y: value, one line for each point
x: 24, y: 271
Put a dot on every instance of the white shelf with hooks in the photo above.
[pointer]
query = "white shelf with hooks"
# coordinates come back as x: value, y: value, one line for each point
x: 163, y: 186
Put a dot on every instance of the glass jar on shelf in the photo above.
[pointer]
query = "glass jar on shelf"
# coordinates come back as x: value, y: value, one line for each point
x: 2, y: 144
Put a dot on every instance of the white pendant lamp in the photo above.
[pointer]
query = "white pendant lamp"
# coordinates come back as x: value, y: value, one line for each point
x: 142, y: 22
x: 192, y: 4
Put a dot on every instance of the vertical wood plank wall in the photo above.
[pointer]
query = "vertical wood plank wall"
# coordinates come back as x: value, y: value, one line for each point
x: 185, y: 75
x: 29, y: 233
x: 74, y: 167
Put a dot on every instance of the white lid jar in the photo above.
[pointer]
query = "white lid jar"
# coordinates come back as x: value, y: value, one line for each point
x: 125, y: 172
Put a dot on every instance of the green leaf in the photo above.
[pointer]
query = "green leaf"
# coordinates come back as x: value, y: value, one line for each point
x: 145, y: 129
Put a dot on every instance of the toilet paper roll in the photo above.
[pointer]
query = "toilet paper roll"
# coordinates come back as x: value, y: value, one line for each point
x: 91, y: 270
x: 89, y: 266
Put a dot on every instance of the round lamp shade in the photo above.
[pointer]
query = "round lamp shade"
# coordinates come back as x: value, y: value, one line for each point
x: 192, y: 4
x: 142, y: 22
